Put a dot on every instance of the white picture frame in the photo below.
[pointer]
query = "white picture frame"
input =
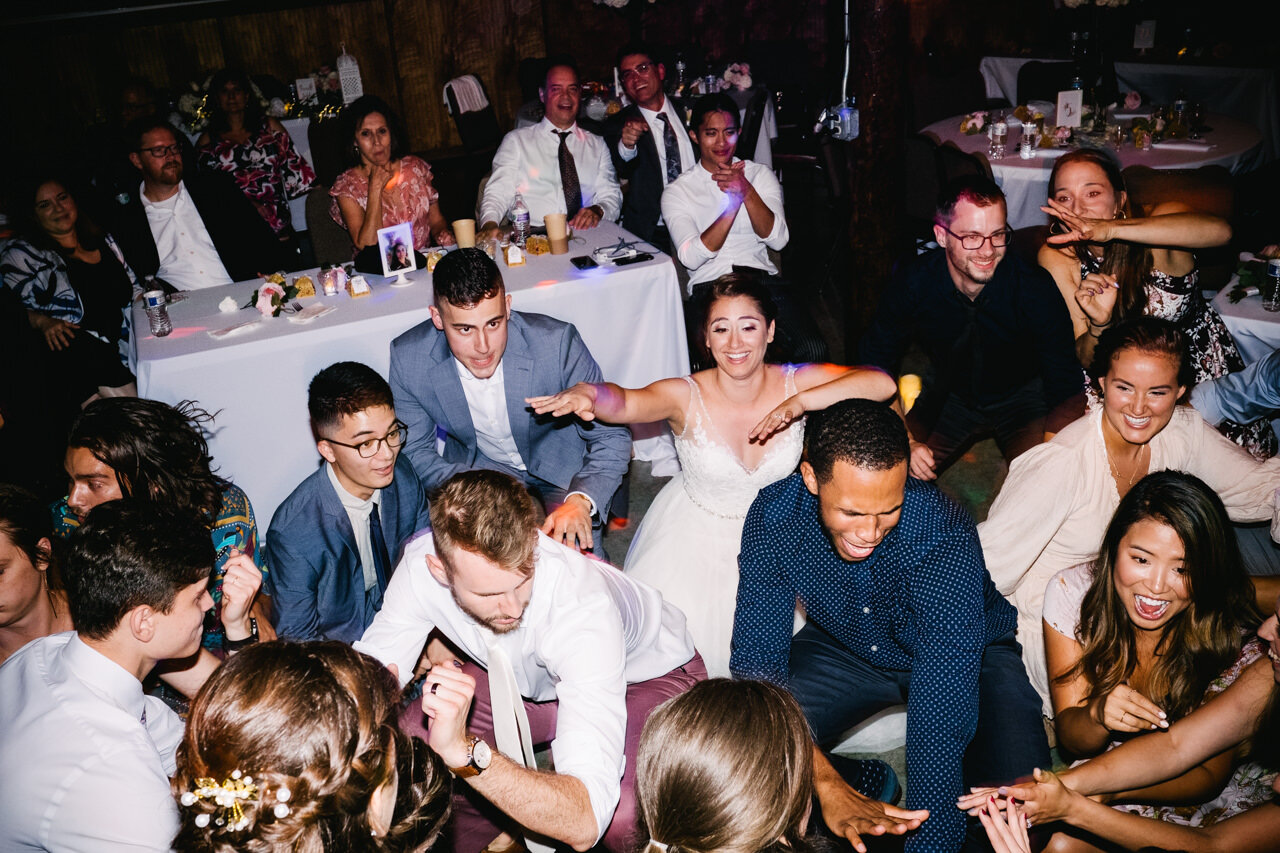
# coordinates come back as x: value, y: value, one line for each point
x: 395, y: 248
x: 1070, y: 106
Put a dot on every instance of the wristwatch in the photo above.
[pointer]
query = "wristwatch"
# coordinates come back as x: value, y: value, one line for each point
x: 231, y: 645
x: 478, y: 757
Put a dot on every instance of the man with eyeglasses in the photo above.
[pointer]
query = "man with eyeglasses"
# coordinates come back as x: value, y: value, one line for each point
x: 994, y: 328
x: 335, y: 541
x: 193, y: 231
x: 649, y: 143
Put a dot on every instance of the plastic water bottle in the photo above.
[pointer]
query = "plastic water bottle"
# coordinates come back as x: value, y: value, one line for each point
x: 157, y: 307
x: 519, y: 221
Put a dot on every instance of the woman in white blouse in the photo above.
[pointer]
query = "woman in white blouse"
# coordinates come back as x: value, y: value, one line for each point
x: 1058, y: 498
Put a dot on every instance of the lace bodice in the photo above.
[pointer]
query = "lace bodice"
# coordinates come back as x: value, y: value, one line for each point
x: 714, y: 478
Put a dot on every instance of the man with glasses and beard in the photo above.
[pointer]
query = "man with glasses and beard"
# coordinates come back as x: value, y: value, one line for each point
x: 995, y: 330
x: 333, y: 543
x: 192, y: 231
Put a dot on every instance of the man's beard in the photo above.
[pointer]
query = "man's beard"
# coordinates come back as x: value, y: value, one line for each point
x: 488, y: 623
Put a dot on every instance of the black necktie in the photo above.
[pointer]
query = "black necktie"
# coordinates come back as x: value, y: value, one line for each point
x: 568, y: 176
x: 673, y: 149
x: 381, y: 562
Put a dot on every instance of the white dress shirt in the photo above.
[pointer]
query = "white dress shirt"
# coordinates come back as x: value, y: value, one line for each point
x: 188, y: 258
x: 693, y: 201
x: 528, y: 162
x: 358, y: 511
x: 79, y: 769
x: 688, y: 157
x: 487, y: 401
x: 588, y: 631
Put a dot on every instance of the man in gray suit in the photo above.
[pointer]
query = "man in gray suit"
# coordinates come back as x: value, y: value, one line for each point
x: 461, y: 380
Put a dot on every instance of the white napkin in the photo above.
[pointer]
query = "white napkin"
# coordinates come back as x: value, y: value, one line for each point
x: 1131, y: 114
x: 237, y: 329
x: 311, y: 312
x: 1184, y: 145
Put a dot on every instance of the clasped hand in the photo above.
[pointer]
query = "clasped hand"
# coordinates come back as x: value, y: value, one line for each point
x: 1044, y: 800
x: 240, y: 583
x: 732, y: 179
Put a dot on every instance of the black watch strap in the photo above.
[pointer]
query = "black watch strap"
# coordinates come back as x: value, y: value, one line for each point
x: 236, y: 645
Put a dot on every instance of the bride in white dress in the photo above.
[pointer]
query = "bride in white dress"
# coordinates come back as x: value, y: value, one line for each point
x: 738, y: 427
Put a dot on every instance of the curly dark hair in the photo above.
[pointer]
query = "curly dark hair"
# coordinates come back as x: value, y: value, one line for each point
x: 158, y: 452
x: 465, y: 278
x: 320, y: 720
x: 864, y: 433
x: 126, y: 555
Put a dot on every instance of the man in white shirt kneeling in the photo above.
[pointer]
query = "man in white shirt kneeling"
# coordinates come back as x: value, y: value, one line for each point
x: 85, y: 756
x: 582, y: 650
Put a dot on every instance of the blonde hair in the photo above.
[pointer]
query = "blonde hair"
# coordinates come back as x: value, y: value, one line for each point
x: 317, y: 721
x: 725, y: 767
x: 487, y: 513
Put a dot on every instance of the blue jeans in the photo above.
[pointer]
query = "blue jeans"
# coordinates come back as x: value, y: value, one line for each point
x: 837, y: 689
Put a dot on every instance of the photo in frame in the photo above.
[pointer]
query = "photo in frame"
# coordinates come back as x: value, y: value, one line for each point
x: 395, y: 247
x: 1070, y: 105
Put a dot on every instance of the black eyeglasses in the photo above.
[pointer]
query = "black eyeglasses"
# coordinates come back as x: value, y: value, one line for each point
x: 642, y: 68
x: 158, y: 151
x: 999, y: 240
x: 369, y: 447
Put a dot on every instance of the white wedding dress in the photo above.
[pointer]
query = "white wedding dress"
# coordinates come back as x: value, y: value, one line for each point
x: 687, y: 544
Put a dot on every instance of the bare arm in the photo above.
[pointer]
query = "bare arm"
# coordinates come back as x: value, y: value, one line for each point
x: 363, y: 223
x: 1169, y: 226
x: 662, y: 400
x: 821, y: 385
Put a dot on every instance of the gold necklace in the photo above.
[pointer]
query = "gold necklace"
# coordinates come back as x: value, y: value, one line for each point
x: 1137, y: 463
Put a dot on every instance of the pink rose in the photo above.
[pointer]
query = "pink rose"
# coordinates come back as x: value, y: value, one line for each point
x: 1062, y: 132
x: 979, y: 119
x: 1132, y: 100
x: 265, y: 294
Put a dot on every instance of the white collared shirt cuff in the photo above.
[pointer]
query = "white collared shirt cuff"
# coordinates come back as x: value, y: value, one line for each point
x: 627, y: 154
x: 594, y: 511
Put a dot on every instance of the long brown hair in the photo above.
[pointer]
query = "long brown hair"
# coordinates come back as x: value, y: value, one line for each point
x: 319, y: 720
x: 1130, y: 263
x: 1197, y: 644
x: 726, y: 767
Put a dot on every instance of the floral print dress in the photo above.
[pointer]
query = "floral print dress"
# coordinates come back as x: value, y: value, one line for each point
x: 266, y: 168
x: 410, y: 202
x: 1213, y: 352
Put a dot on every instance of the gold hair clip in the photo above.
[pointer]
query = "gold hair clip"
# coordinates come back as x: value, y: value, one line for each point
x: 229, y: 796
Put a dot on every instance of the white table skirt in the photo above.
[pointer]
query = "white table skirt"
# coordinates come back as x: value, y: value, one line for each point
x: 1249, y: 94
x: 255, y: 381
x: 1026, y: 182
x: 1256, y: 332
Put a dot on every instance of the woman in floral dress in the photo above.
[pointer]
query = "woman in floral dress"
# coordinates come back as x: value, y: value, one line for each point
x: 254, y: 149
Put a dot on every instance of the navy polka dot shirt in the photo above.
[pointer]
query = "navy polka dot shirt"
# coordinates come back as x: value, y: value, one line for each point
x: 921, y: 603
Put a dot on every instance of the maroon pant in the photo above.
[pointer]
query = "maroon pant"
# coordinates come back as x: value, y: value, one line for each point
x: 476, y: 821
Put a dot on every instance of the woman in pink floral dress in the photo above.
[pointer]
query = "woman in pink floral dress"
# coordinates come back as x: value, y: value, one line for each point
x: 385, y: 186
x: 254, y: 149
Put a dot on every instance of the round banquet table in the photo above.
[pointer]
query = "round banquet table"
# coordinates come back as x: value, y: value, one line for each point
x: 1026, y: 182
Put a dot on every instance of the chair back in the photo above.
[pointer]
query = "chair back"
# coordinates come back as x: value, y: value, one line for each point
x: 752, y: 118
x: 954, y: 163
x: 478, y: 129
x: 330, y: 241
x: 329, y: 148
x: 922, y: 181
x: 1042, y: 81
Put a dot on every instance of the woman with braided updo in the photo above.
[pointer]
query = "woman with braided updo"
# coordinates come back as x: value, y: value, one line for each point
x: 295, y: 747
x: 726, y: 767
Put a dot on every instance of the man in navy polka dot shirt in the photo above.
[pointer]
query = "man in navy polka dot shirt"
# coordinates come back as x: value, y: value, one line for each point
x: 900, y: 608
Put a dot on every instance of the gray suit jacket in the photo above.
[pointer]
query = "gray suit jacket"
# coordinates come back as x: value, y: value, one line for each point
x: 543, y: 356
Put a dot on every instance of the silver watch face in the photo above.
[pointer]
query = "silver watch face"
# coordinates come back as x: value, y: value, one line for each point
x: 481, y: 755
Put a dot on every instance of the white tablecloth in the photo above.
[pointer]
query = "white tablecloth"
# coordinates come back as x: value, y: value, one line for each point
x: 255, y: 382
x: 1248, y: 94
x: 1256, y: 332
x: 1026, y: 182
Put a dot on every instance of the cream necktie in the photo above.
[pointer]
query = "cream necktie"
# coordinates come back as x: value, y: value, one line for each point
x: 510, y: 722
